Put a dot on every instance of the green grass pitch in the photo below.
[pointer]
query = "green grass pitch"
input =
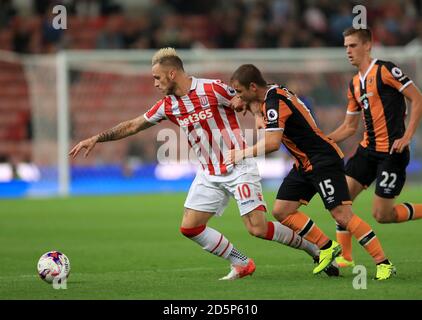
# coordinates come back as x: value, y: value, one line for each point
x: 130, y: 247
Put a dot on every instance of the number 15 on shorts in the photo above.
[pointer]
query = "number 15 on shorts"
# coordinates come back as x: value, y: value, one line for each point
x: 326, y: 188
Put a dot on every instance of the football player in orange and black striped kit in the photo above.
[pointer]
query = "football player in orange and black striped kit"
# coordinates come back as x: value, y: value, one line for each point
x: 319, y: 168
x: 377, y: 92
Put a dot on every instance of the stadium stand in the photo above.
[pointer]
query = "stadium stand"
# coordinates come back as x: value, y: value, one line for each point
x: 182, y: 24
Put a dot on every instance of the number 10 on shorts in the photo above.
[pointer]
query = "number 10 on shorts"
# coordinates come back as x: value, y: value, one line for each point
x: 244, y: 191
x: 326, y: 188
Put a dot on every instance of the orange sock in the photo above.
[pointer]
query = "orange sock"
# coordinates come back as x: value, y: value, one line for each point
x: 306, y: 228
x: 408, y: 211
x: 367, y: 238
x: 344, y: 237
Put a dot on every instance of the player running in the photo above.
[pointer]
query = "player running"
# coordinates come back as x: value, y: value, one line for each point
x: 318, y: 168
x: 201, y: 107
x: 378, y: 93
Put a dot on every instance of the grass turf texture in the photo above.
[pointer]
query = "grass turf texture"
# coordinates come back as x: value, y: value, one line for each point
x: 130, y: 248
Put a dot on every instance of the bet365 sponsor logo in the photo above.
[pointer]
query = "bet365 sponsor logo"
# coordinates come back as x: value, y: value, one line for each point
x: 195, y: 117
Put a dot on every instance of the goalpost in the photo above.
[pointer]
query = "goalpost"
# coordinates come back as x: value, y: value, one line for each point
x: 76, y: 94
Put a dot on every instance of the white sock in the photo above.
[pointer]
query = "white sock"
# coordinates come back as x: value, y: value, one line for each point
x: 287, y: 236
x: 237, y: 257
x: 214, y: 242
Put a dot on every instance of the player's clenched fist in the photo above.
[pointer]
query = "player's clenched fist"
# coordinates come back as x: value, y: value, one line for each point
x: 238, y: 105
x: 88, y: 144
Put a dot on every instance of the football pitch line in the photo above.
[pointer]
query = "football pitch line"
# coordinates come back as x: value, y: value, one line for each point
x: 26, y: 276
x: 23, y: 277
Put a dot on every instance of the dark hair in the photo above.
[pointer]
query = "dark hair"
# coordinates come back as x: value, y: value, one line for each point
x: 364, y: 34
x: 248, y: 73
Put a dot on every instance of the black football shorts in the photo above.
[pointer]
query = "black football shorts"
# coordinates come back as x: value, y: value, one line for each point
x: 389, y: 171
x: 328, y: 181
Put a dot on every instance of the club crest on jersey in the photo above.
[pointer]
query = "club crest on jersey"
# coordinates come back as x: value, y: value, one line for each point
x: 203, y: 100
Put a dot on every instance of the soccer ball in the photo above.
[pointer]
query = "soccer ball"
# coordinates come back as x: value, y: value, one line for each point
x: 53, y: 266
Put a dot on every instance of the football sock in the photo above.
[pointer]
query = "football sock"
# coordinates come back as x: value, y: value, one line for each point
x: 285, y: 235
x: 408, y: 211
x: 214, y: 242
x: 386, y: 261
x: 327, y: 245
x: 237, y: 257
x: 366, y: 238
x: 306, y: 228
x: 345, y: 239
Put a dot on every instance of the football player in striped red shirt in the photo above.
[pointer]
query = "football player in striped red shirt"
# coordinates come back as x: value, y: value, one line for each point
x: 201, y: 108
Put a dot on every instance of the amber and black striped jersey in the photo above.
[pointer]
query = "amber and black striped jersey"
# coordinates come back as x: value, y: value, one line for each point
x: 378, y: 94
x: 283, y: 110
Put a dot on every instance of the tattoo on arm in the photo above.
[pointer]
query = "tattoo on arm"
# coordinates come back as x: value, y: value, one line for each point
x: 120, y: 131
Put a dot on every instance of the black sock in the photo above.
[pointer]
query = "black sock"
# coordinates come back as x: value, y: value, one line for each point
x: 327, y: 245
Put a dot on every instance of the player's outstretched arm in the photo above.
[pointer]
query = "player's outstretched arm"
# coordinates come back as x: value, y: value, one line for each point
x: 122, y: 130
x: 270, y: 143
x: 347, y: 129
x: 415, y: 96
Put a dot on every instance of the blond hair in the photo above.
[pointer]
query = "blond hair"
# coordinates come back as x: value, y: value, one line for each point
x: 167, y: 56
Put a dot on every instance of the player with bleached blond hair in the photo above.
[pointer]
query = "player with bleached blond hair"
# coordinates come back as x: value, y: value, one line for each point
x: 201, y: 108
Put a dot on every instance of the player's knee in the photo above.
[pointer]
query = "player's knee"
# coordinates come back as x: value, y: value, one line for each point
x: 192, y: 232
x: 342, y: 222
x: 257, y: 231
x: 342, y: 214
x: 381, y: 216
x: 280, y: 215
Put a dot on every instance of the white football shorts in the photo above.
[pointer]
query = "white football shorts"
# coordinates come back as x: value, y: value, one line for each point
x: 212, y: 193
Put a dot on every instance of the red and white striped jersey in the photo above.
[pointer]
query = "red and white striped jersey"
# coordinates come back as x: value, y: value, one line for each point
x: 211, y: 126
